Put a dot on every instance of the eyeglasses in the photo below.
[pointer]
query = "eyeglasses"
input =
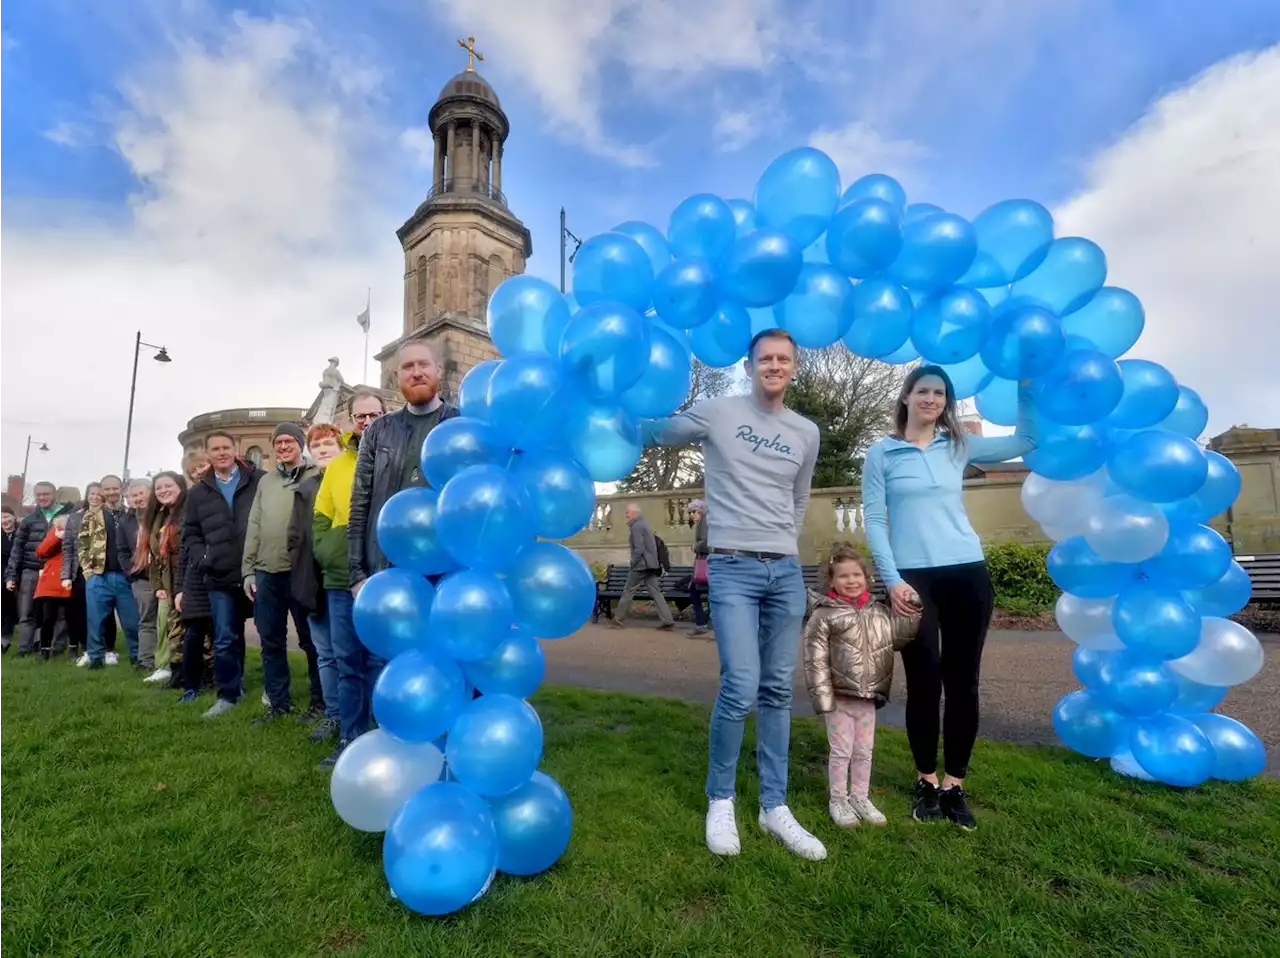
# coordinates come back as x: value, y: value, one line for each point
x: 370, y: 416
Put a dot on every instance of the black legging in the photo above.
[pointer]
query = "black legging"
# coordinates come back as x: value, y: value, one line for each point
x: 958, y: 601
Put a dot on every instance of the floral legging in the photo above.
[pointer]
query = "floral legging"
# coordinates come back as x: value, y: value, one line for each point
x: 851, y: 733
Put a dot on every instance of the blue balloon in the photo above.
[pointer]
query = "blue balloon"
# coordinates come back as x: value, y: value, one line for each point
x: 605, y: 348
x: 1172, y: 750
x: 937, y: 250
x: 798, y: 193
x: 1064, y: 453
x: 534, y: 824
x: 865, y: 237
x: 814, y: 313
x: 1077, y: 569
x: 651, y: 241
x: 515, y: 667
x: 1194, y: 697
x: 527, y: 399
x: 472, y: 615
x: 612, y: 268
x: 1238, y: 753
x: 495, y: 745
x: 1071, y: 273
x: 685, y: 293
x: 970, y: 377
x: 906, y: 353
x: 723, y: 339
x: 484, y: 517
x: 390, y: 612
x: 1087, y: 724
x: 1082, y: 387
x: 440, y: 851
x: 1189, y: 416
x: 407, y: 532
x: 1024, y: 341
x: 1195, y: 556
x: 520, y: 311
x: 1150, y: 393
x: 915, y: 212
x: 1123, y: 763
x: 1216, y: 496
x: 744, y: 216
x: 877, y: 186
x: 1087, y: 664
x: 950, y: 325
x: 419, y: 695
x: 1158, y: 465
x: 1133, y: 683
x: 997, y: 402
x: 473, y: 391
x: 458, y: 444
x: 1014, y: 237
x: 554, y: 590
x: 1226, y: 596
x: 1155, y: 620
x: 702, y: 226
x: 561, y: 491
x: 1112, y: 320
x: 666, y: 382
x: 879, y: 319
x: 604, y: 438
x: 760, y: 269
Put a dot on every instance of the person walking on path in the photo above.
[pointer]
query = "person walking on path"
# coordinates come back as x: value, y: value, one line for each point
x: 929, y: 558
x: 645, y: 571
x: 698, y: 580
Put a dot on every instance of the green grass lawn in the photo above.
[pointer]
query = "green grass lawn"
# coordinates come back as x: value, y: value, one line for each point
x: 131, y: 827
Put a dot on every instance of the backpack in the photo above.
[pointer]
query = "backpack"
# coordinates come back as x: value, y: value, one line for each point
x: 664, y: 557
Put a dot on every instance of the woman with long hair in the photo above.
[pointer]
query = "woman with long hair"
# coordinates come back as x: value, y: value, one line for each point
x: 156, y: 553
x: 931, y: 561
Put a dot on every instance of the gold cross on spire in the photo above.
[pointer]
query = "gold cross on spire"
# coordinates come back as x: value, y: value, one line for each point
x: 472, y: 55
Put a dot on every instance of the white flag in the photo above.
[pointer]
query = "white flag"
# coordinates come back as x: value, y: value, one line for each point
x: 363, y: 319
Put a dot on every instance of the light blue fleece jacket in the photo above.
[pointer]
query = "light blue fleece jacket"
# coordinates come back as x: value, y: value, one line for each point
x: 913, y: 498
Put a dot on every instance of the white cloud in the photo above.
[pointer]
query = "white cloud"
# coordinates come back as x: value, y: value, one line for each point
x: 734, y: 129
x: 858, y: 149
x: 1184, y: 206
x: 71, y: 135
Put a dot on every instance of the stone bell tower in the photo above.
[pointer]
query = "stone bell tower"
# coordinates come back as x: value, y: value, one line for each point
x: 462, y: 241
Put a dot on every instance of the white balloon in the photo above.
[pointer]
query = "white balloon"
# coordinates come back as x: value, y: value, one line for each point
x: 1228, y: 654
x: 1059, y: 531
x: 376, y: 774
x: 1061, y: 503
x: 1087, y: 622
x: 1126, y: 529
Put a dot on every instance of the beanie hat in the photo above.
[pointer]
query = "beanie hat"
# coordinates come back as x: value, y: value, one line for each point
x: 292, y: 430
x: 697, y: 505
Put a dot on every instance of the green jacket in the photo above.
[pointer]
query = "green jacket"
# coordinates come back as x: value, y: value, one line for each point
x: 266, y: 540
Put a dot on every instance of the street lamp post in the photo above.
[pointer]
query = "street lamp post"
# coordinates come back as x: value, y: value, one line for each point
x: 26, y: 461
x: 162, y: 356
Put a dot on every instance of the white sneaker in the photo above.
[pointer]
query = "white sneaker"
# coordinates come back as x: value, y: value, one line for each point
x: 863, y: 808
x: 842, y: 813
x: 266, y: 700
x: 113, y: 659
x: 722, y: 828
x: 83, y: 660
x: 782, y: 825
x: 159, y: 675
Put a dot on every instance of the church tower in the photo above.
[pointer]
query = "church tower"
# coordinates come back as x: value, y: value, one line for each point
x: 462, y: 241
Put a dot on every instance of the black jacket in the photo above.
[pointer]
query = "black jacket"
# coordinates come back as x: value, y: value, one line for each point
x: 126, y: 541
x: 379, y: 465
x: 26, y: 539
x: 213, y: 533
x: 306, y: 578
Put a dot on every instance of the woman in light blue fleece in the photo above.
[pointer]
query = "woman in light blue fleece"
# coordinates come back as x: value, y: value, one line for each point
x: 928, y: 555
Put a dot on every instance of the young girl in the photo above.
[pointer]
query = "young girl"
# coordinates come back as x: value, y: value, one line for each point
x: 849, y: 642
x: 52, y: 595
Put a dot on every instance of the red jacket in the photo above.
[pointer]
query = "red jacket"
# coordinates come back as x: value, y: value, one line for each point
x: 49, y: 585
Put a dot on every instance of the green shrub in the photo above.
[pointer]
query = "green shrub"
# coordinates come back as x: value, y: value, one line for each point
x: 1020, y: 578
x: 599, y: 571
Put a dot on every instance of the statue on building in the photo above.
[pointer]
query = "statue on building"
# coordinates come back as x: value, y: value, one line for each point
x: 332, y: 386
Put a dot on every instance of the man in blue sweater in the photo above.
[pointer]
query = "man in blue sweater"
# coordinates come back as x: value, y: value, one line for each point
x: 759, y: 458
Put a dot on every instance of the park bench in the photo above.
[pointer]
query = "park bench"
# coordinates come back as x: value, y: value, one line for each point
x: 1264, y: 574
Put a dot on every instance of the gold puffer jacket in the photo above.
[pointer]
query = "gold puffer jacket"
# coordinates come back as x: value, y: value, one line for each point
x: 849, y: 651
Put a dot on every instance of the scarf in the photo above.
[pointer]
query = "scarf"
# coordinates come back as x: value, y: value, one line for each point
x: 859, y: 603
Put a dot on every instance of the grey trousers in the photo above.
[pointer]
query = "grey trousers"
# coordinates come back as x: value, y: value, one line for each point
x: 28, y: 626
x: 651, y: 580
x: 148, y: 610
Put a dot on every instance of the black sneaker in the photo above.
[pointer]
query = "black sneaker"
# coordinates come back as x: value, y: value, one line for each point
x: 955, y: 807
x: 325, y: 729
x: 327, y: 763
x: 924, y: 807
x: 312, y: 715
x: 273, y: 713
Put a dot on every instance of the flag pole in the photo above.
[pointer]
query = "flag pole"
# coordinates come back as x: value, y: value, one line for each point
x: 367, y: 293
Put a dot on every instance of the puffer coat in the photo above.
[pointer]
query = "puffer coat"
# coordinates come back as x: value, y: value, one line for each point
x: 848, y: 652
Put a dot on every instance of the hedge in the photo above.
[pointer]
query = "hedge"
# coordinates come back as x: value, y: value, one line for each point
x: 1020, y: 577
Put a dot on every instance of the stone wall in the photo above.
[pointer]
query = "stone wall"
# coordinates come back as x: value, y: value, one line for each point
x: 1253, y: 522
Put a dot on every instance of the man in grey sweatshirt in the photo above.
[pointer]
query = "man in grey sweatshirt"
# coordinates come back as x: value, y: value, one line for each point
x: 759, y: 458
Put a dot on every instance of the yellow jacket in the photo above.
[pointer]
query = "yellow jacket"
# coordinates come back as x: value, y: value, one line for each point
x: 333, y: 506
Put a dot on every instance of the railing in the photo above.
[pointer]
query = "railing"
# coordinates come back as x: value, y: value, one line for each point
x: 469, y: 186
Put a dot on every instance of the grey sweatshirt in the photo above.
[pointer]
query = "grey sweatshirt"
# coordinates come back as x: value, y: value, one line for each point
x: 759, y: 466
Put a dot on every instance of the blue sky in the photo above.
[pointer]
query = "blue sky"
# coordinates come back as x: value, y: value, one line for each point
x: 258, y: 156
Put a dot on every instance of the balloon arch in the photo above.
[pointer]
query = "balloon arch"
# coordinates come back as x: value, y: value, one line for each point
x: 1118, y: 482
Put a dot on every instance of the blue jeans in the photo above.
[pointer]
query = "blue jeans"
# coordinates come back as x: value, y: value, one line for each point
x: 106, y: 595
x: 228, y: 643
x: 273, y: 603
x: 358, y: 668
x: 325, y: 661
x: 757, y: 609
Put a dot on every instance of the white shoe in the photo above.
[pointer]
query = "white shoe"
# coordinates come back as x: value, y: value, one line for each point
x: 863, y: 808
x: 842, y: 813
x: 83, y: 660
x: 266, y: 700
x: 159, y: 675
x: 722, y: 828
x: 113, y: 659
x: 782, y: 825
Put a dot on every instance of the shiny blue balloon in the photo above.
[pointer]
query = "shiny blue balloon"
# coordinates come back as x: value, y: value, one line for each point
x: 1087, y: 664
x: 1077, y: 569
x: 876, y: 186
x: 515, y: 667
x: 485, y: 518
x: 440, y: 852
x: 685, y: 293
x: 1193, y: 697
x: 744, y: 215
x: 1123, y: 762
x: 520, y: 311
x: 814, y: 314
x: 495, y: 745
x: 1189, y: 416
x: 604, y: 438
x: 1155, y: 620
x: 1112, y: 320
x: 1172, y: 750
x: 666, y: 382
x: 612, y: 268
x: 1084, y: 722
x: 561, y: 491
x: 1238, y: 753
x: 460, y: 443
x: 419, y: 695
x: 554, y: 590
x: 702, y: 226
x: 1225, y: 596
x: 473, y: 391
x: 906, y: 353
x: 937, y: 250
x: 407, y: 532
x: 1150, y: 393
x: 1065, y: 453
x: 1158, y: 465
x: 970, y: 377
x: 798, y: 193
x: 651, y: 241
x: 950, y: 325
x: 760, y: 269
x: 1135, y: 684
x: 527, y: 399
x: 879, y: 319
x: 865, y: 237
x: 605, y: 349
x: 1025, y: 341
x: 723, y: 339
x: 1014, y: 237
x: 390, y: 612
x: 914, y: 212
x: 997, y: 402
x: 534, y: 824
x: 1082, y: 387
x: 1072, y: 272
x: 472, y: 615
x: 1194, y: 557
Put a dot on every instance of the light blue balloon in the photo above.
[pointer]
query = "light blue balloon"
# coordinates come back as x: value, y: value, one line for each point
x: 1087, y: 664
x: 702, y: 227
x: 1238, y: 753
x: 815, y: 252
x: 604, y: 438
x: 744, y: 216
x: 534, y: 825
x: 407, y: 532
x: 950, y: 325
x: 1077, y: 569
x: 473, y: 391
x: 1087, y: 724
x: 554, y: 590
x: 1024, y: 342
x: 390, y: 613
x: 1065, y: 453
x: 485, y: 517
x: 666, y: 381
x: 914, y: 212
x: 723, y: 339
x: 970, y: 377
x: 515, y: 667
x: 458, y: 444
x: 1123, y: 763
x: 1155, y: 620
x: 1189, y: 416
x: 495, y: 745
x: 605, y: 349
x: 1194, y: 698
x: 1172, y: 750
x: 651, y: 241
x: 1082, y: 387
x: 418, y: 695
x: 937, y: 249
x: 1112, y: 320
x: 1014, y: 237
x: 561, y: 491
x: 761, y: 320
x: 685, y: 293
x: 878, y: 186
x: 797, y: 194
x: 906, y: 353
x: 472, y: 615
x: 997, y: 402
x: 440, y: 851
x: 1194, y: 557
x: 520, y: 311
x: 865, y: 237
x: 1226, y: 596
x: 613, y: 268
x: 760, y: 269
x: 1134, y: 683
x: 1158, y: 466
x: 527, y: 395
x: 814, y: 314
x: 1072, y: 272
x: 1150, y: 393
x: 879, y: 319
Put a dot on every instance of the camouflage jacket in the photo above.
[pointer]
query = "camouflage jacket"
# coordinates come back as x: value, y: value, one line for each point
x: 91, y: 543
